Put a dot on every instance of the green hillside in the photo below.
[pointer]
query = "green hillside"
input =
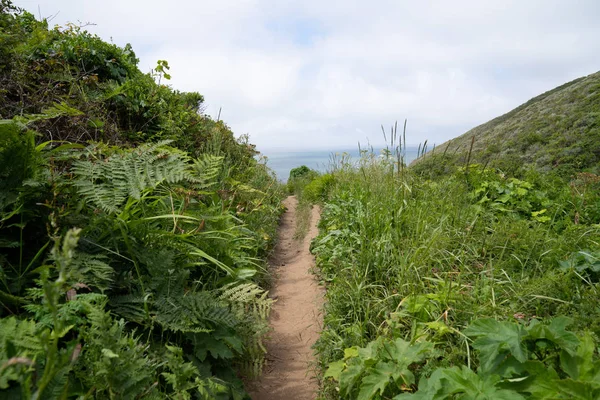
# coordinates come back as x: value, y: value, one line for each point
x: 558, y: 130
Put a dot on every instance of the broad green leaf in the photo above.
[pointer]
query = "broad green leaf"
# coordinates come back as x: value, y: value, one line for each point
x: 350, y: 352
x: 378, y: 378
x: 439, y: 328
x: 369, y: 355
x: 334, y: 370
x: 349, y: 378
x: 473, y: 386
x: 460, y: 383
x: 417, y: 305
x: 539, y: 381
x: 556, y: 333
x: 403, y: 354
x: 578, y: 390
x: 581, y: 365
x: 428, y: 388
x: 495, y: 340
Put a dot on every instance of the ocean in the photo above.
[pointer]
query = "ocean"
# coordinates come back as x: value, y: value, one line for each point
x: 282, y: 162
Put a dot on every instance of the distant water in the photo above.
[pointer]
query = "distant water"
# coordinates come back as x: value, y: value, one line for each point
x: 282, y: 162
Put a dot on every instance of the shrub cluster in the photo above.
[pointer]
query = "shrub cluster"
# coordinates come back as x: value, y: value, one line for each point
x: 133, y: 228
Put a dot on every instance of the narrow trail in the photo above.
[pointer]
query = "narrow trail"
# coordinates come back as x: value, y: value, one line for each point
x: 295, y: 317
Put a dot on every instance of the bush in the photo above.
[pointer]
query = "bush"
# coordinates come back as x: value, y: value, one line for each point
x: 318, y: 189
x: 299, y: 178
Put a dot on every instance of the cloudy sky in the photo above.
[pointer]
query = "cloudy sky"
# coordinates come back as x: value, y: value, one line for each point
x: 326, y: 74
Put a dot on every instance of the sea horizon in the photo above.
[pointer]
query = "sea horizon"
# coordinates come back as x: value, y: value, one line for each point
x: 283, y: 161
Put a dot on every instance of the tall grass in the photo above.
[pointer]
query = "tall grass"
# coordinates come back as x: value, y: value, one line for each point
x: 414, y: 258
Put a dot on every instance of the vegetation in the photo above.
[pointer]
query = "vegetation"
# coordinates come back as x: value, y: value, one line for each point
x: 557, y: 131
x: 310, y: 187
x: 134, y: 230
x: 469, y: 284
x: 133, y: 227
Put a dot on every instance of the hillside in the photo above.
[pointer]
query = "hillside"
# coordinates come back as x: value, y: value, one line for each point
x: 558, y: 130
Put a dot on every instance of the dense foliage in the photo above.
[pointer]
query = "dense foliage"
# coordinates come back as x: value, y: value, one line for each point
x: 133, y: 228
x: 473, y: 284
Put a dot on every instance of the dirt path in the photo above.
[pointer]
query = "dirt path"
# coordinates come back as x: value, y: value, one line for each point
x: 296, y: 316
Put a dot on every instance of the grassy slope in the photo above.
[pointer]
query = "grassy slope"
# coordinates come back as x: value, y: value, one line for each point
x: 559, y: 129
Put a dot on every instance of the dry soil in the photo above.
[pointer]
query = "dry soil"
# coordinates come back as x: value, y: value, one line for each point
x: 296, y: 316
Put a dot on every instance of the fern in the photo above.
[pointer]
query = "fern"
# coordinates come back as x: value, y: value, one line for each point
x: 92, y: 270
x: 185, y: 379
x: 58, y: 386
x: 116, y: 363
x: 251, y: 305
x: 206, y: 322
x: 73, y: 312
x: 196, y: 313
x: 20, y: 334
x: 107, y: 182
x: 56, y: 110
x: 130, y: 307
x: 247, y: 298
x: 207, y: 168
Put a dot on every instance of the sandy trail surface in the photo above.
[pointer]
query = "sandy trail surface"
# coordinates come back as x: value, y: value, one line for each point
x: 296, y: 316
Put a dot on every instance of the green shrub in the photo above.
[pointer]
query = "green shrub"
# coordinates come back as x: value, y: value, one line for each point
x: 318, y: 188
x: 299, y: 178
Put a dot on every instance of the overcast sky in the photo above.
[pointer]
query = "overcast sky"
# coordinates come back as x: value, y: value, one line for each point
x: 326, y: 74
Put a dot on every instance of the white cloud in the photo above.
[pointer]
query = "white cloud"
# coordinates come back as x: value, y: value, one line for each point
x: 327, y: 74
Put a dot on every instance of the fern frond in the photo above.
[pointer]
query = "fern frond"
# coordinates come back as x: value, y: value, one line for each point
x: 92, y: 270
x: 251, y: 304
x: 107, y: 182
x: 114, y: 362
x: 207, y: 168
x: 21, y: 334
x: 72, y: 312
x: 129, y: 306
x: 54, y: 111
x: 58, y: 386
x: 198, y: 312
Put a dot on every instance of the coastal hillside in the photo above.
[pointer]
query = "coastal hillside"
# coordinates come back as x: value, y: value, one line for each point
x: 558, y: 130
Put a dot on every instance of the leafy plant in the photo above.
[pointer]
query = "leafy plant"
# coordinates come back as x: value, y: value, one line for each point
x: 538, y: 361
x: 512, y: 196
x: 581, y: 261
x: 383, y: 366
x: 417, y: 259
